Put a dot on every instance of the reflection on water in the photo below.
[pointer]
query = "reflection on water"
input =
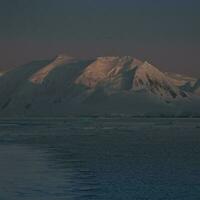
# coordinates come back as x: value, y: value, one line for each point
x: 99, y: 158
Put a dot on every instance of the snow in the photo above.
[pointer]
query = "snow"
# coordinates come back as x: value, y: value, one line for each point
x: 180, y: 80
x: 104, y: 85
x: 102, y: 70
x: 127, y: 72
x: 39, y: 76
x: 149, y: 78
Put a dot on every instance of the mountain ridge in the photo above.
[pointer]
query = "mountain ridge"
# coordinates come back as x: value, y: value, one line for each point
x: 103, y: 85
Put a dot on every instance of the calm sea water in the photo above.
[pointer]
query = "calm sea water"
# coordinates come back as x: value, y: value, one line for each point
x: 100, y: 158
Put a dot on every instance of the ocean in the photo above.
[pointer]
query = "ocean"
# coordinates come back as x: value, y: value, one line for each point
x: 96, y: 158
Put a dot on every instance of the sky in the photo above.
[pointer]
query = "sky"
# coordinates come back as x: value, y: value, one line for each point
x: 163, y: 32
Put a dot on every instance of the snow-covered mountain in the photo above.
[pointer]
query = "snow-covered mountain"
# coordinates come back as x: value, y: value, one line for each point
x: 128, y: 74
x: 104, y: 85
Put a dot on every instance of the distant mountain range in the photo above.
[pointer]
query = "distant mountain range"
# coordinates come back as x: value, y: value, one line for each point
x: 67, y: 86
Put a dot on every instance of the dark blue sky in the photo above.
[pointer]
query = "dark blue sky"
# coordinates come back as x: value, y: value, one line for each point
x: 165, y: 32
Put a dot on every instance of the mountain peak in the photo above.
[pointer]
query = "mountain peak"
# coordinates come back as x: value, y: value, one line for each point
x: 149, y: 78
x: 106, y: 69
x: 149, y: 67
x: 64, y: 56
x: 61, y: 59
x: 107, y: 58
